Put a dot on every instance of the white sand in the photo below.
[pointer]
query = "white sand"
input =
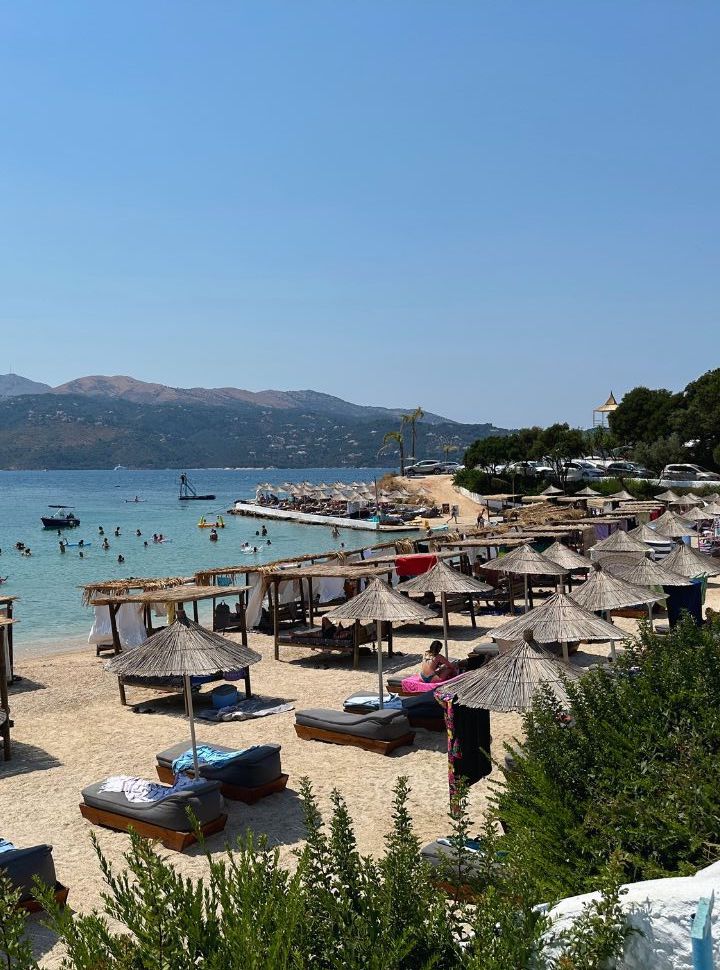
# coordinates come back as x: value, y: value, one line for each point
x: 71, y: 731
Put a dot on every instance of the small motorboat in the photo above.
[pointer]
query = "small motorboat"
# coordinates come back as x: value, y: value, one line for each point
x: 63, y: 518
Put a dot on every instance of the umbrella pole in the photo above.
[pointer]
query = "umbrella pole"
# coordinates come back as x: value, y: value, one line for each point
x: 188, y: 694
x: 443, y: 598
x: 527, y: 604
x: 650, y: 606
x: 379, y: 663
x: 565, y: 651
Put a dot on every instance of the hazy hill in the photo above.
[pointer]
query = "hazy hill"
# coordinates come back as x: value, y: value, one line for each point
x: 12, y: 385
x: 99, y: 422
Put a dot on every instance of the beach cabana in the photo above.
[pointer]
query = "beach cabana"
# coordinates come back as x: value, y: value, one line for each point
x: 381, y: 604
x: 559, y: 620
x: 525, y: 561
x: 183, y: 649
x: 443, y: 579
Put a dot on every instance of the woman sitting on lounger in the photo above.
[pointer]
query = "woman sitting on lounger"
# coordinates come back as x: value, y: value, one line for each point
x: 435, y: 667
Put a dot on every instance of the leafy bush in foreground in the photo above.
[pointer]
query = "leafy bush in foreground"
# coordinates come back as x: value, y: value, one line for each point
x: 637, y: 774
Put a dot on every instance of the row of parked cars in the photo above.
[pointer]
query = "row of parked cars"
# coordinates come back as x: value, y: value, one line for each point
x: 592, y: 469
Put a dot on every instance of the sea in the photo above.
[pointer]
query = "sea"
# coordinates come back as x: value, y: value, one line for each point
x: 50, y: 613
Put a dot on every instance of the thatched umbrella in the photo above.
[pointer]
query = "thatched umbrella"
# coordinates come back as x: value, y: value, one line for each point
x: 564, y: 556
x: 381, y: 603
x: 621, y: 542
x: 622, y: 496
x: 587, y: 491
x: 559, y: 620
x: 551, y: 490
x: 712, y: 509
x: 602, y: 592
x: 698, y: 514
x: 443, y: 579
x: 660, y: 545
x: 510, y: 681
x: 667, y: 496
x: 643, y: 572
x: 525, y: 561
x: 690, y: 563
x: 672, y: 525
x: 183, y: 649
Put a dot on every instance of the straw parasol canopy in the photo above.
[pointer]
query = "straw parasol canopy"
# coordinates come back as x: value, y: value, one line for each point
x: 602, y: 592
x: 443, y: 579
x: 559, y: 620
x: 667, y: 496
x: 551, y: 490
x: 183, y: 649
x: 643, y: 572
x: 566, y: 557
x: 622, y: 496
x: 509, y: 682
x: 691, y: 563
x: 620, y: 541
x: 647, y: 534
x: 712, y: 509
x: 587, y: 491
x: 381, y: 603
x: 672, y: 525
x: 698, y: 515
x: 525, y: 561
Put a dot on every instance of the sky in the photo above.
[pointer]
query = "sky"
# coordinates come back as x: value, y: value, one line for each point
x: 499, y: 211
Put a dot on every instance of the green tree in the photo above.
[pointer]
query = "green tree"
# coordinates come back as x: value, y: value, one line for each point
x: 398, y: 439
x: 644, y: 415
x: 412, y: 418
x: 699, y: 421
x: 489, y: 453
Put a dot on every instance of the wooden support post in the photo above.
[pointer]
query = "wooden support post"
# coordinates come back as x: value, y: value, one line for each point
x: 273, y: 591
x: 4, y: 699
x: 471, y: 604
x: 9, y: 635
x: 248, y: 690
x: 196, y: 616
x: 113, y: 608
x: 311, y: 605
x: 121, y: 688
x: 389, y: 639
x: 356, y: 645
x: 243, y: 620
x: 302, y: 603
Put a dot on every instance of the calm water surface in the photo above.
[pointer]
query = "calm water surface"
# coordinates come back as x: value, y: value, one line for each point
x: 50, y: 611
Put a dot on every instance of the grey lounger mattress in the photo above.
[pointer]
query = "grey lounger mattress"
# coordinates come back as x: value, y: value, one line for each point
x: 257, y: 766
x: 379, y: 725
x: 205, y: 802
x: 22, y: 865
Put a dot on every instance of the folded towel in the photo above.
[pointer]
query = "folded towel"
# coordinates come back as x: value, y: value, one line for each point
x: 207, y: 755
x: 6, y: 846
x: 140, y: 790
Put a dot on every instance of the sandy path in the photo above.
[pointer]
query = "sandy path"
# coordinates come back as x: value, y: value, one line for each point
x: 441, y: 489
x: 71, y: 730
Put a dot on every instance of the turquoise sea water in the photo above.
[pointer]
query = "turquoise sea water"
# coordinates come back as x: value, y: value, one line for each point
x: 50, y: 611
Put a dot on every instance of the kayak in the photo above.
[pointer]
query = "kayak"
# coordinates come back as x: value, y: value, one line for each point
x: 75, y: 545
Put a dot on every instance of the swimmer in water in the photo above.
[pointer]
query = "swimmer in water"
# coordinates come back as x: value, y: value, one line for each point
x: 105, y: 544
x: 138, y: 532
x: 121, y: 559
x: 81, y: 554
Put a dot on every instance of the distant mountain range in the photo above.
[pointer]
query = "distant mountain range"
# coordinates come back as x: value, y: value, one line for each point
x: 97, y: 421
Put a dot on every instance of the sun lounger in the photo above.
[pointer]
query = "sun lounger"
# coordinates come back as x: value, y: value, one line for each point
x: 250, y: 776
x: 21, y: 866
x: 382, y: 731
x: 422, y: 711
x: 412, y: 685
x: 167, y: 820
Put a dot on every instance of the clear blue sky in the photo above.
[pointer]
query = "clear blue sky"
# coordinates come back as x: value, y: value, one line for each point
x: 498, y: 210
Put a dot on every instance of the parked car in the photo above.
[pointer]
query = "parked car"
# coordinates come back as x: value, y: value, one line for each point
x: 426, y: 467
x: 582, y: 471
x: 450, y: 467
x: 689, y: 473
x: 627, y: 469
x: 529, y: 468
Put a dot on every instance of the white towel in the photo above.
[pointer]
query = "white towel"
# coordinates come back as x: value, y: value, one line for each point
x: 141, y: 790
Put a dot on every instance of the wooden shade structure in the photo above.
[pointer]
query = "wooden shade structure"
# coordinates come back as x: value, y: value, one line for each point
x: 381, y: 603
x: 183, y: 649
x: 690, y: 563
x: 621, y: 542
x: 559, y: 620
x: 509, y: 682
x: 441, y: 580
x: 525, y: 561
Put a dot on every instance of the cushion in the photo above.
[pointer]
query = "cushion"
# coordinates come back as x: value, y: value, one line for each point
x: 205, y: 802
x: 257, y: 766
x: 385, y: 725
x: 22, y: 865
x: 424, y: 705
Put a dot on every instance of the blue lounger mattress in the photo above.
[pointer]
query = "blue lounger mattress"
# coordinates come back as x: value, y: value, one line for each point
x: 379, y: 726
x: 21, y: 866
x: 205, y: 802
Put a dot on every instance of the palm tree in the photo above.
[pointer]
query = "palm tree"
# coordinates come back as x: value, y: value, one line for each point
x: 448, y: 448
x: 417, y: 415
x: 395, y: 437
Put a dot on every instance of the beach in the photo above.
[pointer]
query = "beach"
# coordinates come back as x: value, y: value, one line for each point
x: 71, y: 731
